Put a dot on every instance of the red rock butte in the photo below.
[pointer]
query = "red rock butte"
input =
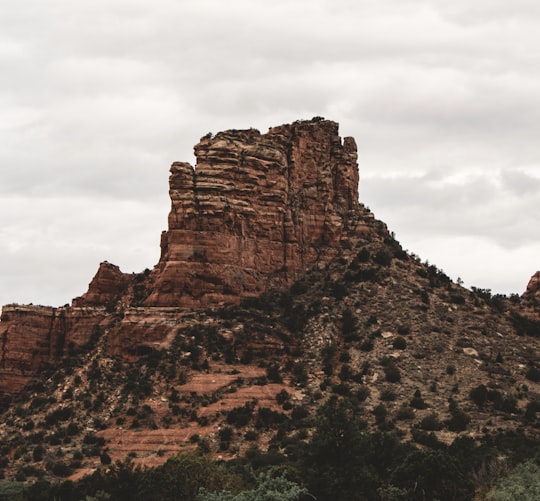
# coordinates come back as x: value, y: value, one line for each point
x: 255, y: 212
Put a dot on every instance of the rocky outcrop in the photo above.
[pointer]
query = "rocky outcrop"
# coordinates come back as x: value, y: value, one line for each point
x: 33, y: 336
x: 107, y: 286
x: 533, y: 288
x: 255, y: 212
x: 530, y: 300
x: 253, y: 215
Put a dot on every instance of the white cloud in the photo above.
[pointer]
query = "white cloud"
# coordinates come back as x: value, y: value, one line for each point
x: 98, y: 97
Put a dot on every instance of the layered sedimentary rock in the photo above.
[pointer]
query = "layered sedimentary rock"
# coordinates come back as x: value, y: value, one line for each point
x: 32, y: 336
x: 531, y: 298
x: 254, y: 213
x: 107, y: 286
x: 533, y: 288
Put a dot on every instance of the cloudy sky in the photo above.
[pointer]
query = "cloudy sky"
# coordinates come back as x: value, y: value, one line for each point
x: 99, y: 97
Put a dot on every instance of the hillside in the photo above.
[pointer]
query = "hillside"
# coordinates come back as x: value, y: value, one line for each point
x: 276, y: 290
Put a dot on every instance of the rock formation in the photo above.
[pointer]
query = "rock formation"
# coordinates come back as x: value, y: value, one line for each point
x: 254, y: 213
x: 530, y: 300
x: 533, y: 288
x: 252, y: 216
x: 158, y: 361
x: 107, y: 286
x: 32, y: 336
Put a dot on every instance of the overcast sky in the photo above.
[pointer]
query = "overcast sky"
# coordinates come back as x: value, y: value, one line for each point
x: 99, y: 97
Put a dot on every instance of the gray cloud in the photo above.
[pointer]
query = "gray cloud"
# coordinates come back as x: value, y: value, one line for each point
x: 98, y: 97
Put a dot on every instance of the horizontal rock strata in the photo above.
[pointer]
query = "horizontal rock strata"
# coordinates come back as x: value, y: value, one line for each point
x: 254, y: 213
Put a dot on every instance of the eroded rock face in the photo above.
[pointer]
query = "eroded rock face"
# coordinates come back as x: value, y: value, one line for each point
x: 531, y: 297
x: 32, y: 336
x: 108, y: 285
x: 255, y: 213
x: 533, y: 287
x: 252, y: 216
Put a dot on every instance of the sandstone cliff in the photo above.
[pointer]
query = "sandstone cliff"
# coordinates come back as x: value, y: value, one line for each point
x: 34, y: 336
x: 530, y: 301
x: 252, y: 216
x: 532, y: 294
x: 254, y: 213
x: 275, y: 289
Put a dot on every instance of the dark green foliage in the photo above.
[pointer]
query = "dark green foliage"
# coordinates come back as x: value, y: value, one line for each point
x: 533, y: 374
x: 300, y: 372
x: 365, y: 274
x: 417, y: 401
x: 338, y: 290
x: 58, y: 415
x: 268, y: 418
x: 479, y: 395
x: 334, y: 462
x: 383, y: 257
x: 404, y: 413
x: 10, y: 491
x: 380, y: 412
x: 346, y: 372
x: 367, y: 345
x: 392, y: 374
x: 362, y: 393
x: 525, y: 326
x: 339, y: 462
x: 299, y: 412
x: 91, y: 439
x: 388, y: 395
x: 432, y: 474
x: 521, y: 484
x: 457, y: 299
x: 341, y: 389
x: 282, y: 397
x: 459, y: 420
x: 348, y: 323
x: 437, y: 278
x: 273, y: 374
x: 268, y: 488
x: 251, y: 435
x: 363, y: 256
x: 430, y: 423
x: 404, y: 330
x: 181, y: 477
x: 399, y: 343
x: 532, y: 409
x: 299, y: 287
x: 59, y: 468
x: 38, y: 452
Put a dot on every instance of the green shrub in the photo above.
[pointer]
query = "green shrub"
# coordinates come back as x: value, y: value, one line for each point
x: 392, y: 374
x: 388, y: 395
x: 383, y: 257
x: 521, y: 484
x: 399, y: 343
x: 38, y: 452
x: 532, y: 409
x: 430, y: 423
x: 479, y: 395
x: 459, y: 420
x: 282, y: 397
x: 417, y: 401
x: 533, y: 374
x: 404, y: 413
